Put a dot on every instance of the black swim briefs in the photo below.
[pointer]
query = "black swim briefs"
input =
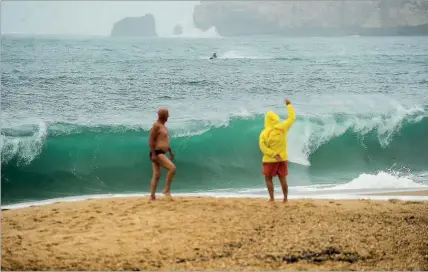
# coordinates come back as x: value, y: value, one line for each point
x: 157, y: 152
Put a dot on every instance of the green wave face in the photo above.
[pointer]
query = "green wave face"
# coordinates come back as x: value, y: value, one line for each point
x: 62, y: 160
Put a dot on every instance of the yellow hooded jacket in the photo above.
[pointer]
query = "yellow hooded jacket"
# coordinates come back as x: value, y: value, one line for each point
x: 273, y: 139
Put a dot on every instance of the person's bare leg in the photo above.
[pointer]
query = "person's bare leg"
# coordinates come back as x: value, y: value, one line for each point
x: 284, y: 185
x: 169, y: 165
x: 269, y: 185
x: 155, y: 180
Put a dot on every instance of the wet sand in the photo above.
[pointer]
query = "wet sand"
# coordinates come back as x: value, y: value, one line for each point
x: 217, y: 234
x: 408, y: 193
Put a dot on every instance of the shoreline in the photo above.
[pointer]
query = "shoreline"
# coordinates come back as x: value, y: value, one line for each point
x: 206, y: 233
x: 402, y: 193
x: 417, y: 195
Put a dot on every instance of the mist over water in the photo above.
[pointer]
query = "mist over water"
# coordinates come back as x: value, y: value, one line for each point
x: 95, y: 18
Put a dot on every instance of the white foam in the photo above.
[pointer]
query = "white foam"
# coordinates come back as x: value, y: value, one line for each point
x: 358, y: 188
x: 381, y: 180
x: 241, y: 54
x: 199, y: 34
x: 189, y: 133
x: 24, y: 149
x: 216, y: 195
x: 190, y: 31
x: 306, y: 136
x: 309, y: 134
x: 193, y: 127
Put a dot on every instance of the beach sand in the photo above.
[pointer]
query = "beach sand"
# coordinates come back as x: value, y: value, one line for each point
x: 407, y: 193
x: 217, y: 234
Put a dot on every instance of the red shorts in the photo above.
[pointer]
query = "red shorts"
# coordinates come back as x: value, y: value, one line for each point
x: 273, y: 169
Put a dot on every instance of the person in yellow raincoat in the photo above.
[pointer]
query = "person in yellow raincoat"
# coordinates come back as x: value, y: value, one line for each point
x: 273, y: 144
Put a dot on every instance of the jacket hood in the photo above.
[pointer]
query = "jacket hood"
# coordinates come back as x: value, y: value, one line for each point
x: 271, y: 119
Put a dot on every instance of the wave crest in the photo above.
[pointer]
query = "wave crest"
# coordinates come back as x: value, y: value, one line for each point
x: 336, y: 134
x: 74, y: 159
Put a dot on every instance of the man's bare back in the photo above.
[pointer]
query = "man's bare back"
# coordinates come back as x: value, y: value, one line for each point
x: 160, y: 144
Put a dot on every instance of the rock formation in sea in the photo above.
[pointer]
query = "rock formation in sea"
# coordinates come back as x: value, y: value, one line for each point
x: 313, y: 18
x: 178, y: 30
x: 144, y: 26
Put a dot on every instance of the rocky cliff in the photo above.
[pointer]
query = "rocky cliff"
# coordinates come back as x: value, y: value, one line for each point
x: 143, y: 26
x: 345, y: 17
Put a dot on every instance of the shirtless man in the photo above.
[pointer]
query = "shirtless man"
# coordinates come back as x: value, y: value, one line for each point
x: 159, y: 145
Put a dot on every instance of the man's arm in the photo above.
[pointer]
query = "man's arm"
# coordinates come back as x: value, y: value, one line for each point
x: 264, y: 148
x: 171, y: 154
x: 152, y: 137
x: 286, y: 125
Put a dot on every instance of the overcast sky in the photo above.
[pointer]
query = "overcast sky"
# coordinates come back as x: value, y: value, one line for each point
x: 88, y: 17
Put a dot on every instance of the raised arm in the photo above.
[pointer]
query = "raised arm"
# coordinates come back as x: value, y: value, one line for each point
x: 291, y: 116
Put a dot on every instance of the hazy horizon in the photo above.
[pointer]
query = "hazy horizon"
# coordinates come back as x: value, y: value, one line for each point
x: 92, y: 18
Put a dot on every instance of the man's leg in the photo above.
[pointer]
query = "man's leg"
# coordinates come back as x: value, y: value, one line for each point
x: 168, y: 164
x: 268, y: 170
x: 282, y: 175
x: 155, y: 180
x: 269, y: 185
x: 284, y: 185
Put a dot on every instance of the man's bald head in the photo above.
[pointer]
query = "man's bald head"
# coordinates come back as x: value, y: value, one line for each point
x: 163, y: 114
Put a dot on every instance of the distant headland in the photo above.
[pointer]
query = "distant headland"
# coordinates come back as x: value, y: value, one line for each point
x: 314, y: 18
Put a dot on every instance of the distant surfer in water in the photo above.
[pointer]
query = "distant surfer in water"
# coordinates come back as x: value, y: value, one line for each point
x: 273, y: 144
x: 159, y: 144
x: 214, y: 56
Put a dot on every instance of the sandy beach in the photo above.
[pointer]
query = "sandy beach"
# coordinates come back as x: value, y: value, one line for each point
x: 407, y: 193
x: 217, y: 234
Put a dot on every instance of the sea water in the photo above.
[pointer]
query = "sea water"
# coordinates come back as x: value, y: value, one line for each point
x: 76, y: 114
